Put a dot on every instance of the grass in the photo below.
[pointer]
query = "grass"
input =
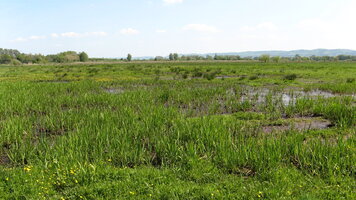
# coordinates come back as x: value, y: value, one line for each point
x: 174, y: 131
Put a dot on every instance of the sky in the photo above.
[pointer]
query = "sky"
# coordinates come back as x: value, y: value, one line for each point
x: 114, y: 28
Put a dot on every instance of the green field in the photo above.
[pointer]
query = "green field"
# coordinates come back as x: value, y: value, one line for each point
x: 175, y: 130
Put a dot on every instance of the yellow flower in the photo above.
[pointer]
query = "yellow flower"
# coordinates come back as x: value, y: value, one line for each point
x: 27, y: 168
x: 150, y: 195
x: 259, y: 194
x: 7, y: 179
x: 109, y: 160
x: 132, y: 193
x: 72, y: 171
x: 212, y: 194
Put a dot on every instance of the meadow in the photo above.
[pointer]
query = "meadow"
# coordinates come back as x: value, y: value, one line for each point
x: 178, y: 130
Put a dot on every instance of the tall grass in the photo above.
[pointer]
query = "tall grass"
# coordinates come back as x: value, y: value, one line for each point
x: 193, y: 127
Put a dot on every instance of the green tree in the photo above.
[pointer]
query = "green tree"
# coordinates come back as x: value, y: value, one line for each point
x: 171, y: 57
x: 83, y: 57
x: 5, y: 59
x: 276, y: 59
x: 159, y: 58
x: 264, y: 58
x: 129, y: 57
x: 175, y: 56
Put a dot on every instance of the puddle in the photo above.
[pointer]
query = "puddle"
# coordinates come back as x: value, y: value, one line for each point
x: 287, y: 97
x: 291, y: 97
x: 226, y: 77
x: 300, y: 124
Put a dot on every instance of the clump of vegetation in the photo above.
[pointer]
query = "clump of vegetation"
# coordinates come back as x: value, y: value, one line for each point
x: 290, y: 77
x: 249, y: 116
x: 253, y: 77
x: 350, y: 80
x: 185, y: 75
x: 210, y: 75
x: 197, y: 73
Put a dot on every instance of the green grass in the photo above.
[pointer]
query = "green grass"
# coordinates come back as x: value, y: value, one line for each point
x: 160, y: 131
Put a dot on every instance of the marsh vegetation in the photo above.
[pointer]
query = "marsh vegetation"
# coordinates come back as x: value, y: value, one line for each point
x: 178, y: 131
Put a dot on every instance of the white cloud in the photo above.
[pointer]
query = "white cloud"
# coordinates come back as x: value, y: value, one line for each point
x: 35, y: 37
x: 19, y: 39
x: 161, y: 31
x: 101, y: 33
x: 87, y: 34
x: 170, y: 2
x: 201, y: 28
x: 54, y: 35
x: 129, y: 31
x: 266, y: 26
x: 71, y: 34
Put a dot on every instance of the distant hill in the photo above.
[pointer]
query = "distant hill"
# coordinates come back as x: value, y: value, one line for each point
x: 304, y: 53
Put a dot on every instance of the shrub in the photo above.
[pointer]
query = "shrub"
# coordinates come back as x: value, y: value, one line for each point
x: 254, y: 77
x: 210, y: 76
x: 290, y: 77
x: 15, y: 62
x: 197, y: 73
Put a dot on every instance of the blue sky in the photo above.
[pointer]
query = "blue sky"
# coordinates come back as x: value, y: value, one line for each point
x: 113, y: 28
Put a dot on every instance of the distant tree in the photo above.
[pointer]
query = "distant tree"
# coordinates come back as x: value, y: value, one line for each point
x: 129, y: 57
x: 38, y: 59
x: 175, y: 56
x: 305, y: 59
x: 344, y: 57
x: 264, y: 58
x: 5, y: 59
x: 83, y: 57
x: 23, y: 58
x: 276, y: 59
x: 208, y: 57
x: 171, y: 57
x: 159, y: 58
x: 297, y: 57
x: 64, y: 57
x: 11, y: 52
x: 215, y: 56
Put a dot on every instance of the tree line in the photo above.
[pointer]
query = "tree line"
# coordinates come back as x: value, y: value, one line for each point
x: 11, y: 56
x: 263, y: 58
